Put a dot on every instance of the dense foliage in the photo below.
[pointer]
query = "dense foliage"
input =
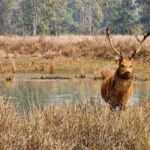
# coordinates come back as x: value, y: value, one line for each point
x: 55, y: 17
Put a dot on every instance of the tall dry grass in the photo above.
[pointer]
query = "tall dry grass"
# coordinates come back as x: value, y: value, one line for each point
x: 85, y: 126
x: 1, y: 65
x: 69, y: 45
x: 96, y: 73
x: 41, y: 67
x: 14, y: 66
x: 82, y: 72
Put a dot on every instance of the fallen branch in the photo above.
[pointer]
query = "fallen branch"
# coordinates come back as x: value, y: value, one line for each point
x: 51, y: 78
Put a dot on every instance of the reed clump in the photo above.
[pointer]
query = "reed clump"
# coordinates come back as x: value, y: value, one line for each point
x: 51, y: 68
x: 82, y: 72
x: 96, y: 73
x: 84, y: 126
x: 14, y: 66
x: 9, y: 77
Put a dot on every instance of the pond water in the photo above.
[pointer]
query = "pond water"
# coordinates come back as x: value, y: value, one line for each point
x: 24, y: 92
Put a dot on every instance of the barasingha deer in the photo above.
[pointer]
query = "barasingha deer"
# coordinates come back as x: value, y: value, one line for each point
x: 117, y: 88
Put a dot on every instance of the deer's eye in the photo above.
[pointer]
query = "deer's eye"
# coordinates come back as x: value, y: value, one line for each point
x: 122, y: 66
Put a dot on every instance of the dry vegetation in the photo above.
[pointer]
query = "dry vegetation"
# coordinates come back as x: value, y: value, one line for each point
x: 66, y: 55
x: 49, y: 47
x: 85, y: 126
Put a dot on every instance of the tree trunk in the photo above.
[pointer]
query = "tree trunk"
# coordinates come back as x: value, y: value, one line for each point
x: 90, y: 19
x: 34, y: 17
x: 23, y: 21
x: 2, y: 17
x: 55, y: 24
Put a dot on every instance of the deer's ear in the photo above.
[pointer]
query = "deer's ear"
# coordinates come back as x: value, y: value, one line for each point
x: 117, y: 59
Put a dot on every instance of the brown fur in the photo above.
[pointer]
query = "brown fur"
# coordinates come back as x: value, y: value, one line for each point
x: 117, y: 88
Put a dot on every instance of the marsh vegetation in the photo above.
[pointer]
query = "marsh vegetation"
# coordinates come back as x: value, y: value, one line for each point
x: 83, y: 126
x: 53, y: 57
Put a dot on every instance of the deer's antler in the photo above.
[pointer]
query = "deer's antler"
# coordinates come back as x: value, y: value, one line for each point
x: 111, y: 43
x: 141, y: 42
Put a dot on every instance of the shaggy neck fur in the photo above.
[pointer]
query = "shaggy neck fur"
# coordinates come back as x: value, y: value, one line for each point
x: 120, y: 83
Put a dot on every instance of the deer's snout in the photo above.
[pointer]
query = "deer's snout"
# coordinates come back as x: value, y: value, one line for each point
x: 127, y: 74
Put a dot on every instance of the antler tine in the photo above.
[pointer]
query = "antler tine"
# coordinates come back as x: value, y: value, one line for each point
x: 137, y: 39
x: 141, y: 42
x: 111, y: 43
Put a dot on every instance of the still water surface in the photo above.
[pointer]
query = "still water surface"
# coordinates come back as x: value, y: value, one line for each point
x: 24, y: 91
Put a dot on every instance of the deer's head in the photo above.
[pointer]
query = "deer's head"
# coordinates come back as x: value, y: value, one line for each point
x: 125, y: 68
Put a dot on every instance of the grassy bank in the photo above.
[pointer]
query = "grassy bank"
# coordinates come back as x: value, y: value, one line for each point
x: 75, y: 46
x: 70, y: 66
x: 87, y: 126
x: 69, y: 54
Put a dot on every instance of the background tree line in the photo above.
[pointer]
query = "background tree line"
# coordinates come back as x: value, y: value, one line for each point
x: 55, y: 17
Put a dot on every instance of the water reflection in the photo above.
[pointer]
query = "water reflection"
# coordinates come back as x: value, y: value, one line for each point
x: 40, y: 93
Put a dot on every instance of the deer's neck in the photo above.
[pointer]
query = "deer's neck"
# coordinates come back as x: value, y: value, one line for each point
x: 120, y: 82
